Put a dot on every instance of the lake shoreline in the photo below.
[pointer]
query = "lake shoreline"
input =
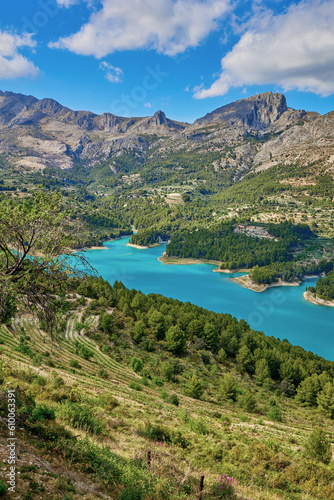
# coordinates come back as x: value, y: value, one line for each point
x: 171, y: 260
x: 142, y: 247
x: 314, y: 299
x: 246, y: 282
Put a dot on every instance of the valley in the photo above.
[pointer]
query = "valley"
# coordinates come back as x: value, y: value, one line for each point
x: 126, y: 394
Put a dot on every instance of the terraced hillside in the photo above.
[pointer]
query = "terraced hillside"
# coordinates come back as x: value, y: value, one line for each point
x: 106, y: 412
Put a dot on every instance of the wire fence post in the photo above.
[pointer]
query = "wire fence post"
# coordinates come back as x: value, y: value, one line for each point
x: 149, y: 459
x: 201, y: 486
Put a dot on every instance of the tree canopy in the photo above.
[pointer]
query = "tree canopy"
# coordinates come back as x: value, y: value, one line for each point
x: 36, y: 238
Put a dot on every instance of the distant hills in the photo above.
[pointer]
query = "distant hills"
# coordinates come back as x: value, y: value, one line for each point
x: 259, y: 132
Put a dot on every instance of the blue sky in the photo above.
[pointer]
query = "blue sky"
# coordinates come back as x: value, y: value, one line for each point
x: 186, y: 57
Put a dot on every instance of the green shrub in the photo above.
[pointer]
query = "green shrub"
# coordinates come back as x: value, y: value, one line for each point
x: 42, y: 413
x: 228, y: 388
x: 135, y: 386
x: 75, y: 364
x: 58, y: 382
x: 49, y: 363
x: 194, y: 387
x: 156, y: 433
x: 40, y: 380
x: 274, y: 411
x: 83, y: 351
x: 80, y: 417
x: 3, y: 488
x: 137, y: 364
x: 175, y: 340
x: 248, y: 402
x: 156, y: 381
x: 37, y: 360
x: 139, y: 331
x: 110, y: 403
x: 167, y: 371
x: 173, y: 399
x: 102, y: 373
x: 132, y: 494
x: 318, y: 446
x: 222, y: 356
x: 225, y: 419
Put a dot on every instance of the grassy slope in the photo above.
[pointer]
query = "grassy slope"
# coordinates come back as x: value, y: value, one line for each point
x: 265, y: 457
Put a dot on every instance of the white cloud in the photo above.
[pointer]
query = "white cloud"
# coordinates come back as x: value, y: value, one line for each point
x: 294, y: 50
x: 12, y: 63
x: 148, y: 105
x: 168, y: 26
x: 111, y: 73
x: 67, y: 3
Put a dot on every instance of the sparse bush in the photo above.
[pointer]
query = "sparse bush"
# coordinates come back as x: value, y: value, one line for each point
x: 274, y: 411
x: 173, y: 399
x: 40, y: 380
x: 155, y: 433
x: 49, y: 363
x: 198, y: 425
x: 102, y: 373
x: 194, y: 387
x: 110, y: 403
x: 137, y: 364
x: 156, y: 381
x: 83, y: 351
x: 167, y: 371
x: 58, y: 382
x: 135, y: 386
x: 248, y: 402
x: 75, y: 364
x: 79, y: 416
x: 318, y: 446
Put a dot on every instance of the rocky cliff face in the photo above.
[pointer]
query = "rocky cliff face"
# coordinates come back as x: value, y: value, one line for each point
x: 260, y: 130
x: 259, y: 112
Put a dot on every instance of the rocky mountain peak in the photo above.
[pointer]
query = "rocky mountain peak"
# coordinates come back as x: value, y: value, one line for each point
x: 159, y: 118
x: 49, y: 106
x: 258, y: 112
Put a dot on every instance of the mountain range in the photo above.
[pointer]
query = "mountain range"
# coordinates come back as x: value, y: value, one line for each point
x: 258, y: 132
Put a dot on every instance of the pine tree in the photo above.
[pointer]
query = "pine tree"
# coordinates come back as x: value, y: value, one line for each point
x: 262, y: 371
x: 194, y: 387
x: 325, y: 400
x: 228, y: 388
x: 175, y: 339
x: 318, y: 446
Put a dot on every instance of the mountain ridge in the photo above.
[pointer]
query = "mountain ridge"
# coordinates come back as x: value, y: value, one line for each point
x: 42, y: 133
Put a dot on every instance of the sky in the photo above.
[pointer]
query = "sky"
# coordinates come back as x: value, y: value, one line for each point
x: 185, y: 57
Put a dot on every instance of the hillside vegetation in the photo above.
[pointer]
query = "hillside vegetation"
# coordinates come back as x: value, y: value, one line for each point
x: 130, y: 374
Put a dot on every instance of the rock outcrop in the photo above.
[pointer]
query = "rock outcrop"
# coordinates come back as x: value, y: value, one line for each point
x: 256, y: 132
x: 258, y: 112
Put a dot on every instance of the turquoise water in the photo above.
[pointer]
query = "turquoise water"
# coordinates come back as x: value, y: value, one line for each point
x: 280, y: 311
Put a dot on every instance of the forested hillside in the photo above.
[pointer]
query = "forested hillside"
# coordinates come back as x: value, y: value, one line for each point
x: 202, y: 393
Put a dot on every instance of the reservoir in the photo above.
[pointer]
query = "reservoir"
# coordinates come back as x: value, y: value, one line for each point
x: 279, y: 311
